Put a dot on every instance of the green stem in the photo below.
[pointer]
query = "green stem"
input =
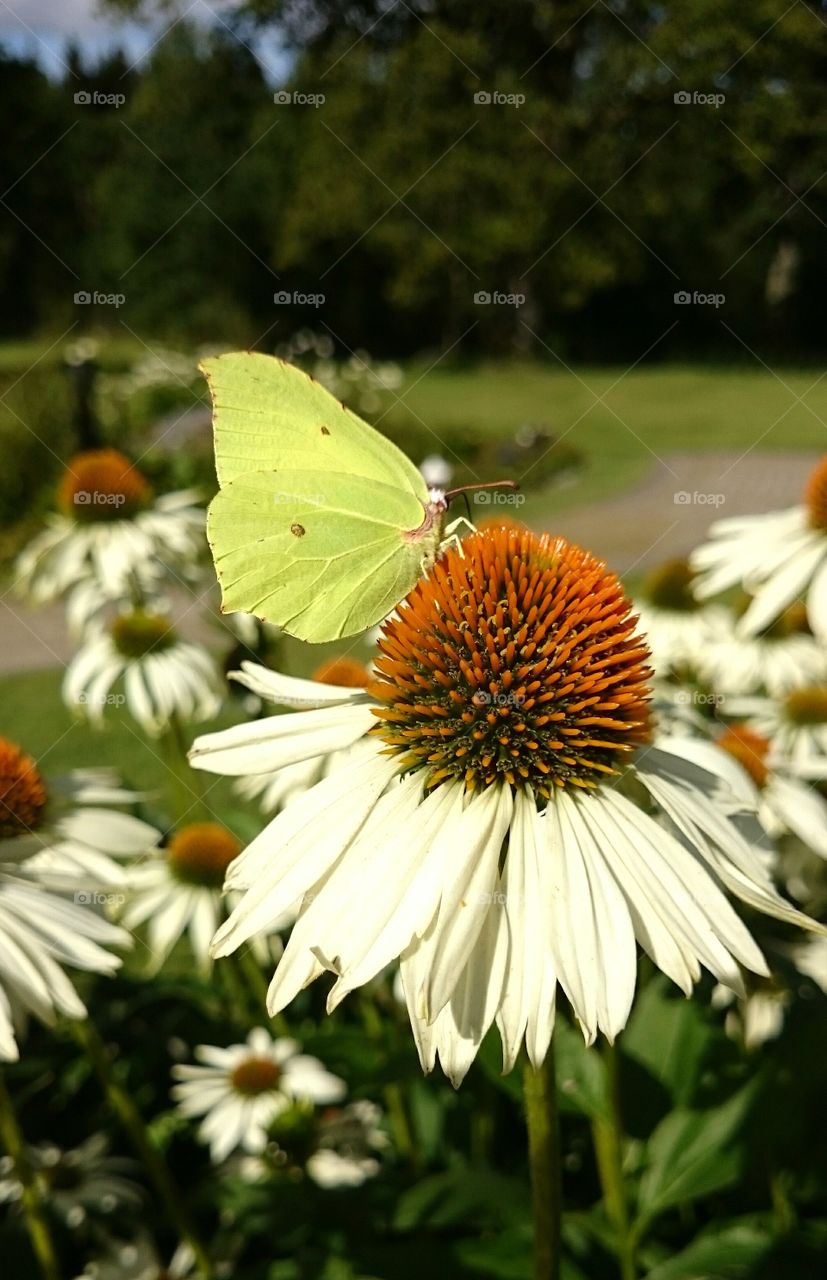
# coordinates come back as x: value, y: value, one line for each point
x: 186, y: 784
x: 152, y: 1159
x: 251, y: 974
x: 607, y: 1136
x: 543, y: 1124
x: 36, y: 1221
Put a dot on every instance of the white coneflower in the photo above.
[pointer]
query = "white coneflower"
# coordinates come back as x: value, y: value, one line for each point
x: 678, y: 628
x: 778, y: 557
x: 274, y: 790
x: 766, y: 780
x: 40, y: 933
x: 242, y: 1089
x: 795, y: 723
x: 783, y: 656
x: 164, y: 677
x: 493, y: 827
x: 110, y: 535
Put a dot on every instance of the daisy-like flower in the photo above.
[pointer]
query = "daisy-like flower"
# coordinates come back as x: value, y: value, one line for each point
x: 678, y: 628
x: 242, y: 1089
x: 163, y: 677
x: 499, y: 823
x: 778, y: 557
x: 274, y: 790
x: 782, y: 657
x: 350, y: 1140
x: 112, y: 533
x: 178, y: 891
x: 767, y: 781
x: 795, y: 723
x: 83, y: 1184
x: 39, y: 931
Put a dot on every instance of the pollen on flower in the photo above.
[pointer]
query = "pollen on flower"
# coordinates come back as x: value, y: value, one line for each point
x: 101, y: 484
x: 138, y: 633
x: 499, y: 522
x: 201, y: 853
x: 669, y: 586
x: 514, y: 661
x: 749, y: 748
x: 806, y: 706
x: 346, y: 672
x: 255, y: 1075
x: 815, y: 496
x: 22, y: 793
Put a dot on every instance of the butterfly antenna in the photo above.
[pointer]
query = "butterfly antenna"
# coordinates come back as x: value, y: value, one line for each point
x: 465, y: 489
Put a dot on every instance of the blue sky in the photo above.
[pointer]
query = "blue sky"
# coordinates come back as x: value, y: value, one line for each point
x: 42, y: 29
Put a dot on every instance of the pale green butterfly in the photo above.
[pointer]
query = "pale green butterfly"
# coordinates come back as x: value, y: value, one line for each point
x: 321, y: 525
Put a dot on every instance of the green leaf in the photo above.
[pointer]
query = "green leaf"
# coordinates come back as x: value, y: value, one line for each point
x: 668, y: 1036
x: 691, y: 1154
x: 725, y: 1251
x: 581, y: 1074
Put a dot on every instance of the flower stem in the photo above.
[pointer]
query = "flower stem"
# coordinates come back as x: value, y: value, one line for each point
x: 607, y: 1136
x: 186, y: 784
x: 152, y: 1159
x: 392, y: 1094
x: 543, y: 1124
x: 36, y: 1221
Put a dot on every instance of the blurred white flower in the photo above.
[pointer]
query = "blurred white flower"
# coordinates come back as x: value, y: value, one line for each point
x: 110, y: 537
x: 754, y: 1019
x: 437, y: 471
x: 163, y: 677
x: 783, y: 656
x: 81, y: 1183
x: 795, y: 723
x: 241, y: 1090
x: 677, y: 626
x: 518, y: 713
x: 778, y: 557
x: 349, y: 1142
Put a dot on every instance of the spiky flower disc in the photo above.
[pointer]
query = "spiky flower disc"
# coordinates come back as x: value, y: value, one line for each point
x: 514, y: 661
x: 22, y: 794
x: 815, y: 495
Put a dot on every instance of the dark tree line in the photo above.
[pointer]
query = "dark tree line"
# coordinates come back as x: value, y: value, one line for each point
x: 582, y: 187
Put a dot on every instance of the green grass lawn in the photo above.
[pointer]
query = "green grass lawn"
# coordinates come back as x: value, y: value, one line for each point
x: 642, y: 413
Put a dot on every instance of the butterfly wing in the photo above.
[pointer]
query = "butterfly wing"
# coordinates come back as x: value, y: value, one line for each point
x: 268, y: 414
x: 323, y: 555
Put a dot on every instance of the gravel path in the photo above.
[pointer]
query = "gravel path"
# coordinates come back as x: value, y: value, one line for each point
x: 665, y: 516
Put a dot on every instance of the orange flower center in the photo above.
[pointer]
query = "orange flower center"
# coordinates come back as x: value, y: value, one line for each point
x: 201, y: 853
x: 806, y: 706
x: 22, y: 794
x: 514, y: 661
x: 749, y: 748
x: 102, y: 484
x: 815, y: 495
x: 669, y: 586
x: 346, y: 672
x: 255, y: 1075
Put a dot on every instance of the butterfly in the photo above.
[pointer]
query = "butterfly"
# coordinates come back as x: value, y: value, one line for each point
x: 321, y: 525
